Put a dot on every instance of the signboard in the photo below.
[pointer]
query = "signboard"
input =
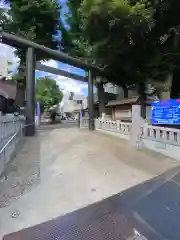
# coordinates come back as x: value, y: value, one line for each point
x: 38, y: 113
x: 80, y: 115
x: 166, y: 112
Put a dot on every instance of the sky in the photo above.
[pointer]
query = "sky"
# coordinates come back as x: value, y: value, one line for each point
x: 66, y: 84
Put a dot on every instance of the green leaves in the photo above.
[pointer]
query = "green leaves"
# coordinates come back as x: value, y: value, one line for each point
x: 19, y: 78
x: 73, y: 41
x: 35, y: 20
x: 47, y: 92
x: 125, y: 37
x: 3, y: 17
x: 116, y: 31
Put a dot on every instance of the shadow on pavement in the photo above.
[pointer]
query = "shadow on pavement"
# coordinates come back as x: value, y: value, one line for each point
x: 23, y: 172
x: 63, y: 124
x: 147, y: 211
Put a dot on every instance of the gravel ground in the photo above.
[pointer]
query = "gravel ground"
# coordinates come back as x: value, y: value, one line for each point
x: 23, y: 173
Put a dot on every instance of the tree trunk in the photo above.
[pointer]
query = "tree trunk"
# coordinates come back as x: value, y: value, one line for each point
x: 164, y: 95
x: 21, y: 86
x: 125, y: 89
x: 164, y: 89
x: 101, y: 98
x: 20, y: 96
x: 175, y: 89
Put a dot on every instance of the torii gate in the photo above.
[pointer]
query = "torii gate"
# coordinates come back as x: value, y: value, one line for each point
x: 31, y: 65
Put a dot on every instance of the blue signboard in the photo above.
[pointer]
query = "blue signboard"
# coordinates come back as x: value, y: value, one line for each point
x: 166, y: 112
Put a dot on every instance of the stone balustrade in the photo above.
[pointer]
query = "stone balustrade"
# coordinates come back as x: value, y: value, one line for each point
x: 159, y: 139
x: 117, y: 128
x: 161, y: 134
x: 114, y: 126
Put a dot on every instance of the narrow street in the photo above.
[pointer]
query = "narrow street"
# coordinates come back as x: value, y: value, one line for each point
x: 66, y: 168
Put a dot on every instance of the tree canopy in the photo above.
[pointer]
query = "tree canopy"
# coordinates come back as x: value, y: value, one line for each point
x: 3, y: 17
x: 73, y: 41
x: 48, y: 93
x: 133, y: 40
x: 36, y: 20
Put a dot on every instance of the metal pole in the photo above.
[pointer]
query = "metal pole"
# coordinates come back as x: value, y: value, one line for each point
x: 90, y: 101
x: 30, y: 92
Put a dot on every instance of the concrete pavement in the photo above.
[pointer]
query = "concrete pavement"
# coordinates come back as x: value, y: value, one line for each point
x: 77, y: 168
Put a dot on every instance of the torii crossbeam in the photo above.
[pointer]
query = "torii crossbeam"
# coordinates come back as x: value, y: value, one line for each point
x: 31, y: 49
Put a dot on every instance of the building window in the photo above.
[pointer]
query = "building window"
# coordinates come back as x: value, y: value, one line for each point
x: 79, y: 101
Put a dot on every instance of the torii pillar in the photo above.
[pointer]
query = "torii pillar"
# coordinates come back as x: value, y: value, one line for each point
x: 90, y: 101
x: 30, y: 92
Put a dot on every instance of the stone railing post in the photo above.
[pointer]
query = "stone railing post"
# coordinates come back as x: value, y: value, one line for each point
x: 118, y: 124
x: 100, y: 124
x: 171, y: 136
x: 158, y: 134
x: 178, y: 138
x: 96, y: 123
x: 137, y: 122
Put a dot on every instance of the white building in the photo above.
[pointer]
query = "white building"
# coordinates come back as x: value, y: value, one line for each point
x: 85, y: 103
x: 78, y: 97
x: 111, y: 88
x: 71, y: 108
x: 6, y: 61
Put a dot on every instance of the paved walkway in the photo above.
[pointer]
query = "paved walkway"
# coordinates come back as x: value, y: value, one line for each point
x: 77, y: 168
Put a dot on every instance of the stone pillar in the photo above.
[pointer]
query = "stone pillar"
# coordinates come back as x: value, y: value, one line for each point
x: 90, y: 101
x: 137, y: 121
x: 101, y: 98
x: 30, y: 92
